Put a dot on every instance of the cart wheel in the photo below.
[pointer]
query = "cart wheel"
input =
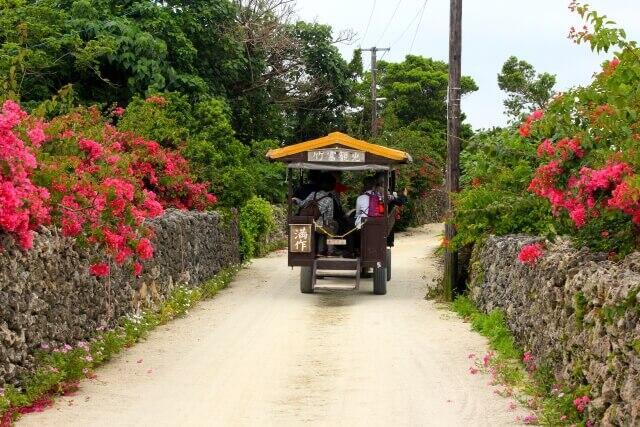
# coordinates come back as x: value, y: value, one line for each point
x: 380, y: 280
x: 306, y: 286
x: 388, y: 264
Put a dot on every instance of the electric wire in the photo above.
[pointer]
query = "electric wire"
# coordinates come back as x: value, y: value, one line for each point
x: 424, y: 6
x: 405, y: 30
x: 366, y: 30
x: 389, y: 22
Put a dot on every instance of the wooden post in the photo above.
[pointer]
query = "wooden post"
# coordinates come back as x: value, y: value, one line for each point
x: 453, y: 142
x: 374, y: 88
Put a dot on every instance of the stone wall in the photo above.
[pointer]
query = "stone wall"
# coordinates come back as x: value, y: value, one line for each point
x: 575, y: 310
x: 432, y: 208
x: 278, y: 236
x: 48, y: 296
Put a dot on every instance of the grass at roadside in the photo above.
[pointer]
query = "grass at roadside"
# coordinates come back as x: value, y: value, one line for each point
x: 59, y: 370
x: 529, y: 381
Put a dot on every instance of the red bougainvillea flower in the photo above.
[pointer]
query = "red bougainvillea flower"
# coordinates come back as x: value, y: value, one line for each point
x: 525, y: 127
x: 137, y: 269
x: 613, y: 64
x: 529, y: 254
x: 144, y: 249
x: 159, y: 100
x: 545, y: 148
x: 100, y: 269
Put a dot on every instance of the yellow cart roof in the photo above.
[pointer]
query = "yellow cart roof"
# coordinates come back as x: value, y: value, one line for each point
x: 342, y: 139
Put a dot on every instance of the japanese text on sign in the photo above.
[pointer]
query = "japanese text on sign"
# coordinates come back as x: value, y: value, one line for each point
x: 340, y: 155
x: 300, y: 238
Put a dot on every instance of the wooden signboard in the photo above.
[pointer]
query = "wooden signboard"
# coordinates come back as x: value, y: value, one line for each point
x: 300, y: 238
x: 336, y: 155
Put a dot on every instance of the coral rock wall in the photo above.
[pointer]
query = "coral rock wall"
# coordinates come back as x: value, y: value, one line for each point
x: 575, y: 310
x: 47, y: 295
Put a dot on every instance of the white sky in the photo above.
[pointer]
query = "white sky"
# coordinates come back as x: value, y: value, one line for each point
x: 493, y: 30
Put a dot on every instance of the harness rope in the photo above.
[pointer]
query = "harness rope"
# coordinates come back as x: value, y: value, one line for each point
x: 334, y: 236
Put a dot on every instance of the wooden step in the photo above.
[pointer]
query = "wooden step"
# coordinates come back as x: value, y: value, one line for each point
x: 336, y: 263
x: 336, y: 287
x: 341, y: 264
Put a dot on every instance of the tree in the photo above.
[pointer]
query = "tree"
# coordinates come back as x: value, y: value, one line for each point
x: 526, y: 90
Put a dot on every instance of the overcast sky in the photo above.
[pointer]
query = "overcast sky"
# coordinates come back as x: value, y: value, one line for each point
x: 493, y: 30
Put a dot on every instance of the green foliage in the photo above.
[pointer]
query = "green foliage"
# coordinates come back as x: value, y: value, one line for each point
x: 579, y: 305
x: 279, y: 80
x: 54, y: 370
x: 424, y: 174
x: 204, y: 133
x: 497, y: 167
x: 526, y: 90
x: 568, y: 156
x: 416, y: 90
x: 255, y: 222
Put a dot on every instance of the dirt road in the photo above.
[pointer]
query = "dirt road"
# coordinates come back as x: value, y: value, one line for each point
x: 261, y: 353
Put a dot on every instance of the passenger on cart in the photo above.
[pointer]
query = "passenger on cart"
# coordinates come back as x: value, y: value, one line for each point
x: 395, y: 201
x: 320, y: 204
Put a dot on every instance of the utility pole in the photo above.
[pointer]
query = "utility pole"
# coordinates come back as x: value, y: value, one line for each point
x: 374, y: 88
x: 453, y: 143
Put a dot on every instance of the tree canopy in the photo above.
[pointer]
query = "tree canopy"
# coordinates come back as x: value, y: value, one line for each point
x: 526, y: 90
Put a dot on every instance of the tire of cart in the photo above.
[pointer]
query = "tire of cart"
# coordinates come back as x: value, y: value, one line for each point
x: 388, y: 264
x: 306, y: 285
x: 380, y: 280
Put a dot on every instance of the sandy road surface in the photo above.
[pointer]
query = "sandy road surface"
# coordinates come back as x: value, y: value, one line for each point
x: 261, y: 353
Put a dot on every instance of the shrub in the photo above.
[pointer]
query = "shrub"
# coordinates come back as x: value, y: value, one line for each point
x: 419, y: 177
x: 497, y: 166
x: 256, y: 221
x: 572, y: 168
x: 202, y: 132
x: 98, y: 184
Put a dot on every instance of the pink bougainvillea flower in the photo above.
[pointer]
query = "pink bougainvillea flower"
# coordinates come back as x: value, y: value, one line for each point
x: 99, y: 269
x: 531, y: 253
x: 118, y: 111
x: 473, y: 370
x: 581, y: 403
x: 92, y: 148
x: 536, y: 115
x: 36, y: 134
x: 486, y: 360
x: 530, y: 419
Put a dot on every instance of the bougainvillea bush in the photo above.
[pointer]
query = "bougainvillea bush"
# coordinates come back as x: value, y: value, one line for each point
x: 95, y: 182
x: 582, y: 157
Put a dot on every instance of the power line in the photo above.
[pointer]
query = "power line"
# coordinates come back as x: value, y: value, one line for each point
x: 389, y: 22
x: 404, y: 31
x: 424, y: 6
x: 369, y: 23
